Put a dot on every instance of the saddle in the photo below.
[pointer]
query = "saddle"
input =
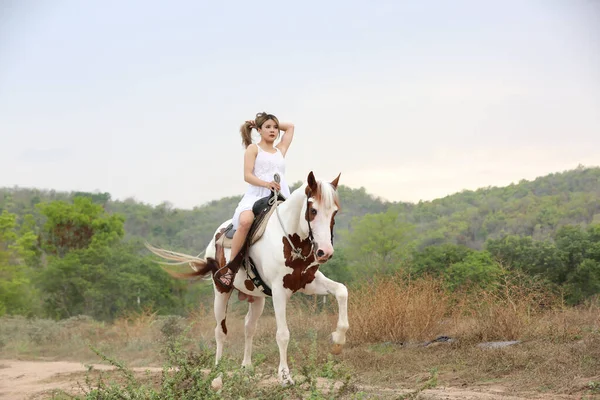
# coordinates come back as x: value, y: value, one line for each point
x: 262, y: 209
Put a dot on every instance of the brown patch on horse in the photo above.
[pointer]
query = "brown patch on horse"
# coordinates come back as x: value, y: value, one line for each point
x: 249, y: 284
x: 219, y: 250
x: 220, y: 255
x: 332, y: 224
x: 303, y: 270
x: 220, y: 258
x: 312, y: 189
x: 223, y: 326
x: 308, y: 215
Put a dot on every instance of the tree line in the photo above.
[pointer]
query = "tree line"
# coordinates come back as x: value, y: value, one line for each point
x: 64, y: 254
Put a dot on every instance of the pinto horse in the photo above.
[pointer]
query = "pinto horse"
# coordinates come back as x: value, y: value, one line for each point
x: 297, y: 239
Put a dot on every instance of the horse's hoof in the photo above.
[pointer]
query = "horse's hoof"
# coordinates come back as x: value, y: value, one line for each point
x: 336, y: 349
x: 287, y: 382
x: 285, y: 379
x: 217, y: 383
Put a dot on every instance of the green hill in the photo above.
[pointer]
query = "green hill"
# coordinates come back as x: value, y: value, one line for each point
x: 535, y: 208
x: 531, y: 208
x: 83, y: 255
x: 179, y: 229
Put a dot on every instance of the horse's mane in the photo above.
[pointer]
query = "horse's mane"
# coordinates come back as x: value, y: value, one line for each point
x: 329, y: 196
x: 326, y: 194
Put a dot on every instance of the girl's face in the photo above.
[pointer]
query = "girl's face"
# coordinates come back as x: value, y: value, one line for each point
x: 269, y: 131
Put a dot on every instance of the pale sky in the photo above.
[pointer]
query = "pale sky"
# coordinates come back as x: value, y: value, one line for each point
x: 411, y: 100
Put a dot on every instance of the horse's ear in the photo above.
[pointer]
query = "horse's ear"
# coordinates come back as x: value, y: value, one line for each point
x: 312, y: 182
x: 335, y: 182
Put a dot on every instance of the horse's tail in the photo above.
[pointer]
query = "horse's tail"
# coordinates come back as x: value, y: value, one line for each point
x: 201, y: 266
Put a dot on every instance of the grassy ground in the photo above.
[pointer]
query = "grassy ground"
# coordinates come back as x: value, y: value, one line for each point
x: 559, y: 349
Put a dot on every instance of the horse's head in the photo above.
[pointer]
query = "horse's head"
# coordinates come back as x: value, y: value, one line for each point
x: 318, y: 216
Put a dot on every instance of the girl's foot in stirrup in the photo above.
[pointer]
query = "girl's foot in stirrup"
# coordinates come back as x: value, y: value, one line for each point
x: 225, y: 279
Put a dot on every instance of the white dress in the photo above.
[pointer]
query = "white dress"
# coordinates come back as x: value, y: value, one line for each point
x: 265, y: 167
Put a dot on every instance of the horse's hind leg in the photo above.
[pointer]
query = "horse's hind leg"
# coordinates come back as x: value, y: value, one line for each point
x: 254, y: 313
x: 280, y: 299
x: 323, y: 286
x: 220, y: 309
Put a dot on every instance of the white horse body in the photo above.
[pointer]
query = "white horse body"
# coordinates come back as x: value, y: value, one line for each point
x: 310, y: 209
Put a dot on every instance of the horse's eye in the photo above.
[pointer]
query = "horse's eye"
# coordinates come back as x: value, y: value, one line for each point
x: 313, y: 211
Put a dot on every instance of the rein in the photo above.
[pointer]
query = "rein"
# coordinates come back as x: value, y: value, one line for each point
x: 310, y: 233
x: 296, y: 252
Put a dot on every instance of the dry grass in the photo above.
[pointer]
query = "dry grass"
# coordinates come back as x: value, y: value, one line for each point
x: 559, y: 350
x: 514, y: 310
x: 398, y: 310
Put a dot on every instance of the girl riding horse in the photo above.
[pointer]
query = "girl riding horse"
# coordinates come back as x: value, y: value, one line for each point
x: 296, y: 242
x: 262, y: 161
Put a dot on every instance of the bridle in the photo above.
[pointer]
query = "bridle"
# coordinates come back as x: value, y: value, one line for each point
x: 296, y: 252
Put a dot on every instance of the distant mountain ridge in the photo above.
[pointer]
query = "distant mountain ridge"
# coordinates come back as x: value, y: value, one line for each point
x: 532, y: 208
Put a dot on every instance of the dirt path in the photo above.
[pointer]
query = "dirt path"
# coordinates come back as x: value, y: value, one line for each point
x: 26, y: 380
x: 30, y: 379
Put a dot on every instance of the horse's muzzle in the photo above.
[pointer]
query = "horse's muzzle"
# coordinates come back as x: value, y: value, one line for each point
x: 323, y: 256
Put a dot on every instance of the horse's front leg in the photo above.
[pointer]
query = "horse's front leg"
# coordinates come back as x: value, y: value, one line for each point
x: 323, y: 286
x: 280, y: 299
